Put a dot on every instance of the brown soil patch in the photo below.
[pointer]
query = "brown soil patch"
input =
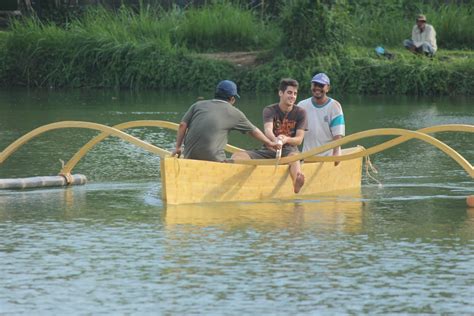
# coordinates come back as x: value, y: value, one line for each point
x: 237, y: 58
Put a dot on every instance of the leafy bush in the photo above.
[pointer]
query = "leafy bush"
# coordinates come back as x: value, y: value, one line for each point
x: 312, y: 27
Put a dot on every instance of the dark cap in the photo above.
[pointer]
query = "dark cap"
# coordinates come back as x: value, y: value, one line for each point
x: 227, y: 88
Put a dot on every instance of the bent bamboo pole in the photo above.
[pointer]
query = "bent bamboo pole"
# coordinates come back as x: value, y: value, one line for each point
x: 371, y: 133
x: 107, y: 131
x: 89, y: 145
x: 393, y: 142
x: 131, y: 124
x: 375, y: 149
x: 78, y: 124
x: 97, y: 139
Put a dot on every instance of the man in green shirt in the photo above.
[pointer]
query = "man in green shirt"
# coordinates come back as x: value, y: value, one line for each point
x: 206, y: 125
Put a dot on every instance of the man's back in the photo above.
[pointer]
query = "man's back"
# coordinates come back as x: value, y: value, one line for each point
x: 209, y: 123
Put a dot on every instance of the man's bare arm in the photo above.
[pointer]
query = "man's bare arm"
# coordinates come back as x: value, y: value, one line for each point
x: 293, y: 141
x: 183, y: 126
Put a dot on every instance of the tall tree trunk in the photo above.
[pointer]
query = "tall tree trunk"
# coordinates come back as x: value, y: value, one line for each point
x: 25, y: 7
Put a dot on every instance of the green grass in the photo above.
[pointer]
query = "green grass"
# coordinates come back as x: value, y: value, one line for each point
x: 454, y: 26
x: 361, y: 71
x: 99, y: 53
x: 224, y: 27
x: 156, y: 49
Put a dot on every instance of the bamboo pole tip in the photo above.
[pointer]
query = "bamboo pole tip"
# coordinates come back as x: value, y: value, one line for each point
x: 470, y: 201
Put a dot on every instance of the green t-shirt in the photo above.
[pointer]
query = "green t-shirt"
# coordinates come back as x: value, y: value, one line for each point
x: 209, y: 122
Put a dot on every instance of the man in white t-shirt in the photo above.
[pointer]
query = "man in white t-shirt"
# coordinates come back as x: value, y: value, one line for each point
x: 325, y: 117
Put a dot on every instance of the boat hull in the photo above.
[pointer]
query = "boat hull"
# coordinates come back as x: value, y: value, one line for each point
x: 196, y: 181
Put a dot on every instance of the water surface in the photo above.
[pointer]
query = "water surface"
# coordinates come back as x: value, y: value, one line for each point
x: 113, y: 246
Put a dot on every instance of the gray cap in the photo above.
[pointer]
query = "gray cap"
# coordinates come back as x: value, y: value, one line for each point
x: 321, y: 78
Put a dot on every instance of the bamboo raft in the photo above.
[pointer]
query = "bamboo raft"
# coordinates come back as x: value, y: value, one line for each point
x: 194, y: 181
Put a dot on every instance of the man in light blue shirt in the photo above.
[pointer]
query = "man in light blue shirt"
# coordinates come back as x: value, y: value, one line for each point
x: 325, y: 117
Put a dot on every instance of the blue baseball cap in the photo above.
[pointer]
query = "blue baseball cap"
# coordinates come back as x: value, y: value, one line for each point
x: 321, y: 78
x: 227, y: 88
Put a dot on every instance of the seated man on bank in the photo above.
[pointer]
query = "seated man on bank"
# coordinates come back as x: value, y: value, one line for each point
x: 285, y: 122
x: 423, y: 38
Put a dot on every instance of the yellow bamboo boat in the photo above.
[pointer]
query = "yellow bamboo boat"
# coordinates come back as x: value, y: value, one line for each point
x: 192, y: 181
x: 197, y: 181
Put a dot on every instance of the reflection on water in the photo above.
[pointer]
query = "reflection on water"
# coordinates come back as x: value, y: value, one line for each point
x: 104, y: 202
x: 332, y: 214
x: 112, y: 247
x: 18, y: 205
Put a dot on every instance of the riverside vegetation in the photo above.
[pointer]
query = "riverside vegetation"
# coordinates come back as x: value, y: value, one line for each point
x: 153, y: 48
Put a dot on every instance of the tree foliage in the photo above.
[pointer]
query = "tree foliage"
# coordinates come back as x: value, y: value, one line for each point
x: 312, y: 27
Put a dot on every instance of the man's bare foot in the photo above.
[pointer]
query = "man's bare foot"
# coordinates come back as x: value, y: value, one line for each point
x: 299, y: 181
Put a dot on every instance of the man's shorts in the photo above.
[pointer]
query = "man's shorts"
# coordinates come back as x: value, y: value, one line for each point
x: 265, y: 153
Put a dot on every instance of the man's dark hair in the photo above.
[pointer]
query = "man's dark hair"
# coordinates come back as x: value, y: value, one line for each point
x: 286, y: 82
x: 222, y: 96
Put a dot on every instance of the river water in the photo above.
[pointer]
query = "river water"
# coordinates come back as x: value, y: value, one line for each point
x: 112, y: 246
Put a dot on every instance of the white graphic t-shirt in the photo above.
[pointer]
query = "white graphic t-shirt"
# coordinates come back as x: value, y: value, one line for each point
x: 324, y: 122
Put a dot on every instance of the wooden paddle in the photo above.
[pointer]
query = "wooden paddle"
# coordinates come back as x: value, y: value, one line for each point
x: 278, y: 153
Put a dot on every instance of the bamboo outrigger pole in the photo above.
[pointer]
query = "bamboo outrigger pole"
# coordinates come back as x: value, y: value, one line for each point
x: 404, y: 135
x: 64, y: 178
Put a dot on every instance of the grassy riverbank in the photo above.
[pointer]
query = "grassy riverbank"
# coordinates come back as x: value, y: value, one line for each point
x: 156, y: 49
